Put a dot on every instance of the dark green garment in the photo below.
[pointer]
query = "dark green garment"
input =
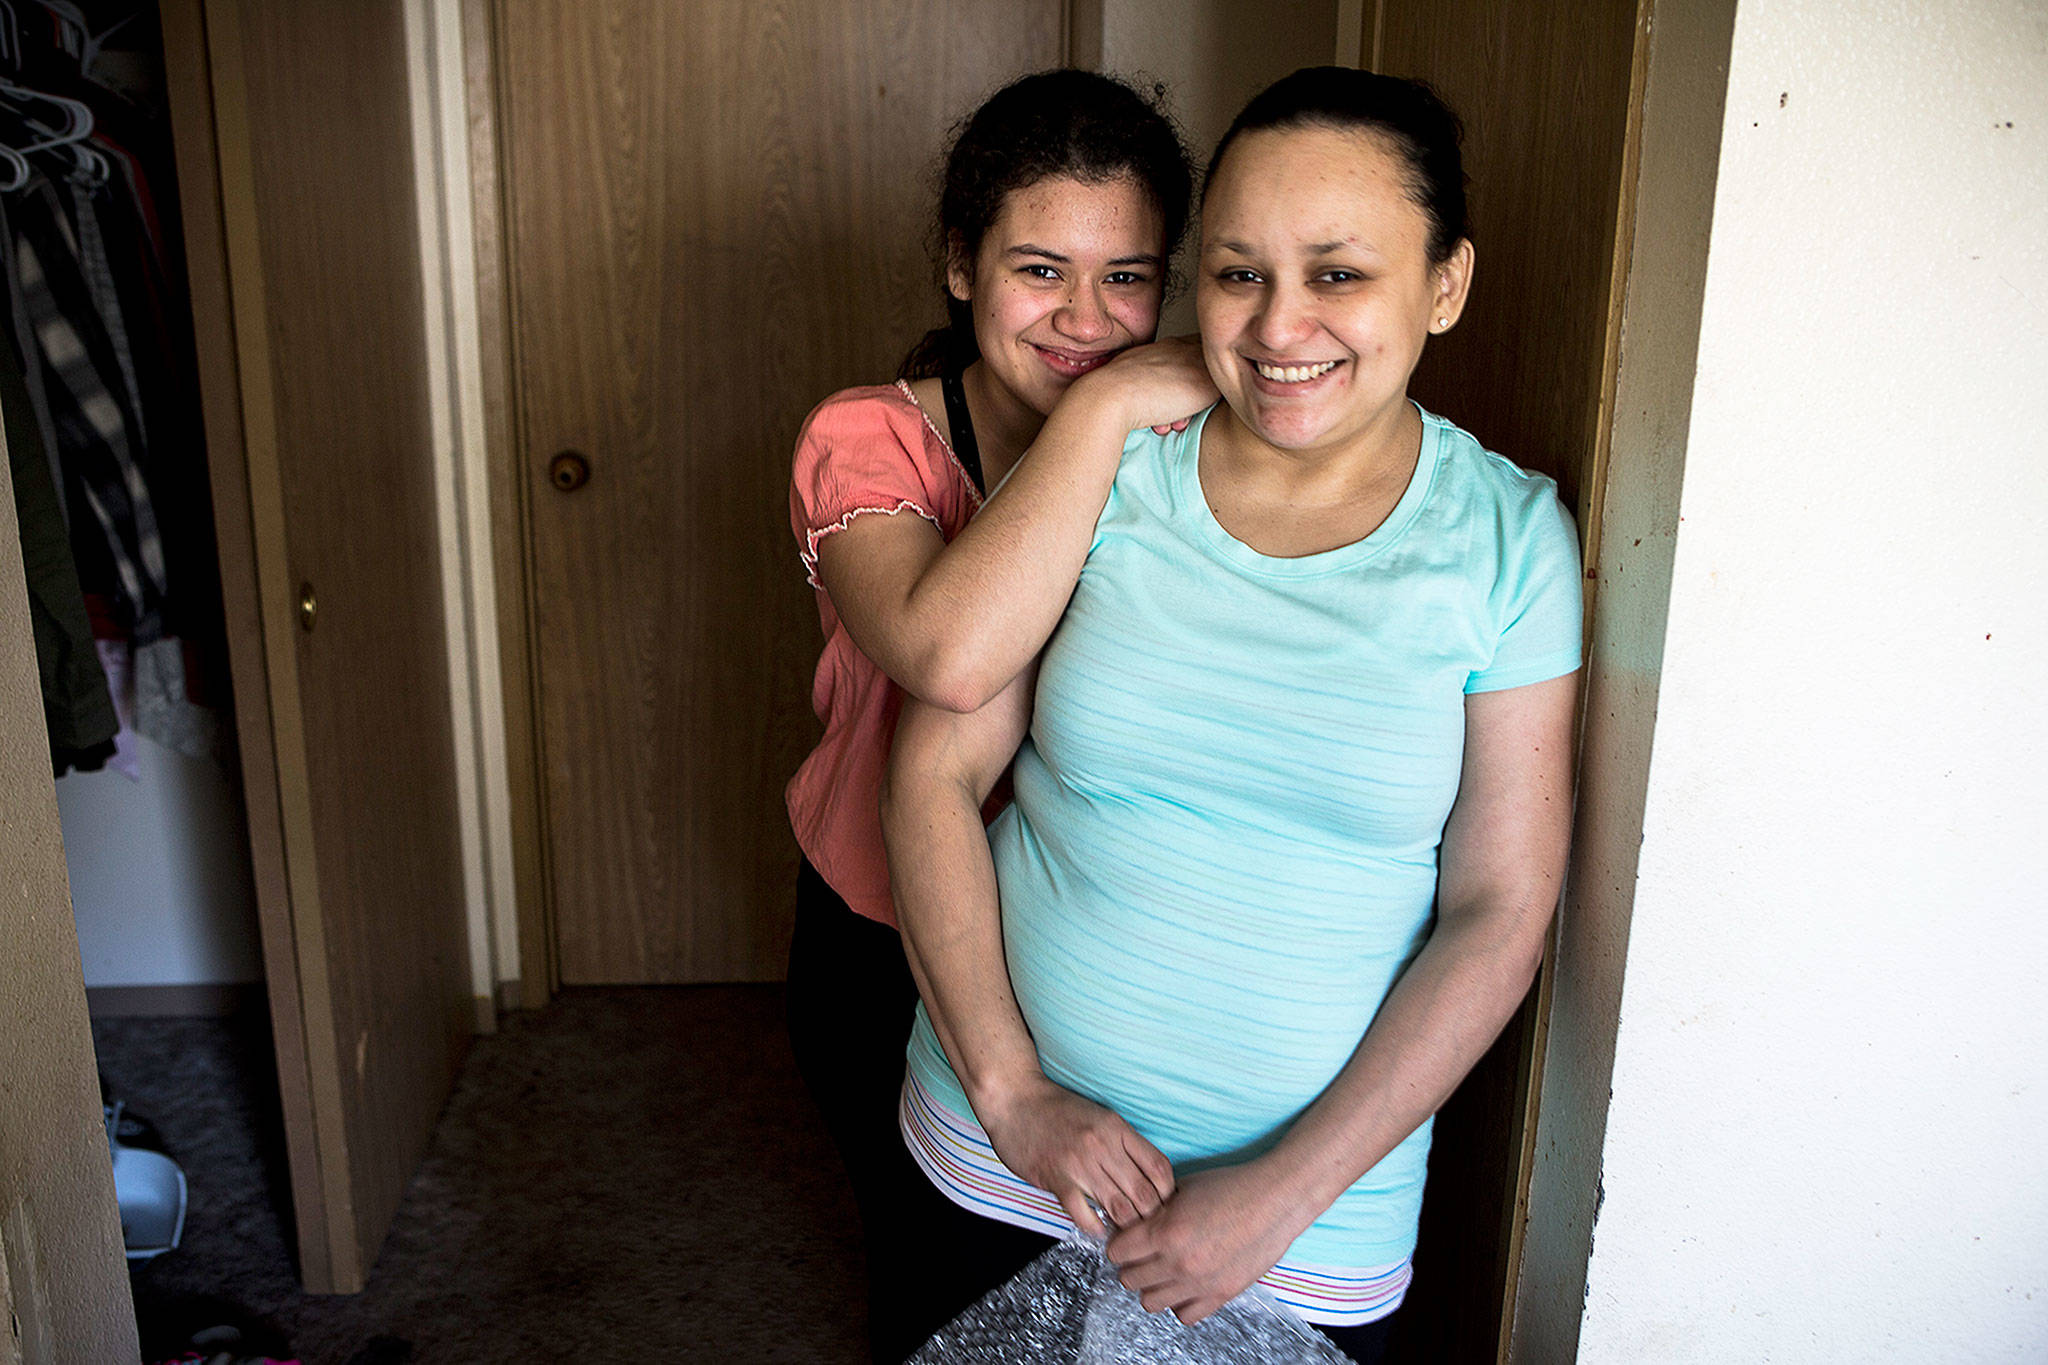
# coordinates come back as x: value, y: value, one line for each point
x: 76, y: 704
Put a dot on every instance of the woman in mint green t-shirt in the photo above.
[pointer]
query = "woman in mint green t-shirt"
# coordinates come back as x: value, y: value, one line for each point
x: 1292, y: 815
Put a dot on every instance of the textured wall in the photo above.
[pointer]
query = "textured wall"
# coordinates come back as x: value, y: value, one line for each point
x: 1825, y: 1133
x: 62, y: 1276
x: 160, y: 884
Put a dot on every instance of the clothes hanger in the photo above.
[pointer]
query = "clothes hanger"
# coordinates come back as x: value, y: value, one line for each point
x: 89, y: 165
x: 17, y: 168
x: 77, y: 116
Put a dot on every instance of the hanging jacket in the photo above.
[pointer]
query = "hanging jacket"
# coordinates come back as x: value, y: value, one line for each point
x: 77, y: 707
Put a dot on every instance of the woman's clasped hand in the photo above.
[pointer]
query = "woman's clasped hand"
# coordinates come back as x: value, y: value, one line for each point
x: 1087, y: 1157
x: 1223, y: 1228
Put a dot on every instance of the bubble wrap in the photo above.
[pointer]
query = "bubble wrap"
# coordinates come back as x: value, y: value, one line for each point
x: 1066, y: 1308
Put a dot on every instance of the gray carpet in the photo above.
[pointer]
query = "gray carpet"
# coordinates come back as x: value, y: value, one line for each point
x: 627, y: 1175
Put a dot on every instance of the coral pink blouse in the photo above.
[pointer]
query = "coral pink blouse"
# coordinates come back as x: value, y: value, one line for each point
x: 862, y: 451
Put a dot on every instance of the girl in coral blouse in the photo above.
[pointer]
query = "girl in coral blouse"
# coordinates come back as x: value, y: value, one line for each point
x: 943, y: 520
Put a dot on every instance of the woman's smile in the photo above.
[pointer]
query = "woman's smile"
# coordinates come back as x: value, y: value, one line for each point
x: 1069, y: 363
x: 1293, y: 378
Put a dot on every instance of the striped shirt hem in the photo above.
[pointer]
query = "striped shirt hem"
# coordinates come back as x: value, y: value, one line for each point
x: 956, y: 1156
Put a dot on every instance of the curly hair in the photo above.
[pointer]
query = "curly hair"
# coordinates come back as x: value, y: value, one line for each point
x: 1090, y: 127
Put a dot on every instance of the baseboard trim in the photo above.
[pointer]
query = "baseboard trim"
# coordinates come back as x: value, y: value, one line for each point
x: 204, y: 1000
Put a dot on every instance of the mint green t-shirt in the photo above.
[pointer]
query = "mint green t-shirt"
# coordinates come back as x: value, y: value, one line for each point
x: 1223, y: 849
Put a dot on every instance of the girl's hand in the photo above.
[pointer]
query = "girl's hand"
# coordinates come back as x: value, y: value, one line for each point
x: 1079, y: 1151
x: 1160, y: 385
x: 1222, y: 1230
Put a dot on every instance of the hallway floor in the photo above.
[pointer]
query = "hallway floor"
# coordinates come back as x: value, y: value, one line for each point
x: 628, y: 1174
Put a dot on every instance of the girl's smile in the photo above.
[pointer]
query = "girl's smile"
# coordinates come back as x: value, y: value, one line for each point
x: 1071, y: 364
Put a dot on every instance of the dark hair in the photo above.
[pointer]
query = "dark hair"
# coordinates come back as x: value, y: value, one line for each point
x: 1410, y: 115
x: 1091, y: 127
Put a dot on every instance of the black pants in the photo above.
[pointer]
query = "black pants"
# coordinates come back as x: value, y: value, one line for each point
x: 851, y: 1002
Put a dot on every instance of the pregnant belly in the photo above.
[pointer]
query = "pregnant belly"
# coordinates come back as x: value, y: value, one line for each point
x: 1208, y: 1049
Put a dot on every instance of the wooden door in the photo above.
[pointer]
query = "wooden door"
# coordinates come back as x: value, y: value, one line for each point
x: 296, y: 179
x: 1546, y: 91
x: 717, y: 215
x: 63, y: 1278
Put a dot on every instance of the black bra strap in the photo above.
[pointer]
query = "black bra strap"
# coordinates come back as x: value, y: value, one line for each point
x: 962, y: 425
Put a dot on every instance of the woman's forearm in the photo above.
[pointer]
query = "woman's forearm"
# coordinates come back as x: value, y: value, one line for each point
x: 1230, y: 1224
x: 943, y: 878
x: 1501, y: 866
x: 1440, y: 1019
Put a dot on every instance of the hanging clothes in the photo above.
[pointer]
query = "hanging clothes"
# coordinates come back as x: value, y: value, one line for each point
x: 106, y: 299
x: 78, y: 708
x: 96, y: 308
x: 98, y: 439
x: 23, y: 337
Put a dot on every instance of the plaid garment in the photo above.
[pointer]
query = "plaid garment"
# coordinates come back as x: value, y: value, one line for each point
x: 98, y: 438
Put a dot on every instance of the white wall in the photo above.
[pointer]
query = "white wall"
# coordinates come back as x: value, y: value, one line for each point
x: 1830, y: 1089
x: 160, y: 883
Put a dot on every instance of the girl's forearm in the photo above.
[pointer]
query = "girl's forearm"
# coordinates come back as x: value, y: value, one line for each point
x: 983, y: 607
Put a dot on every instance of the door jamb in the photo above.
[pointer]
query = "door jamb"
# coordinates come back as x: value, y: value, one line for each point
x: 503, y: 439
x: 1678, y: 93
x: 1591, y: 509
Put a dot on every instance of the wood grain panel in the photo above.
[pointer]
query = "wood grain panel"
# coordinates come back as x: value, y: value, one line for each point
x: 1544, y: 90
x: 336, y: 328
x: 717, y: 216
x: 188, y: 79
x: 64, y: 1289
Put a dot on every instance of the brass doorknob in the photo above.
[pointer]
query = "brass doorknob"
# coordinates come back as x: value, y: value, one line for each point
x: 568, y: 471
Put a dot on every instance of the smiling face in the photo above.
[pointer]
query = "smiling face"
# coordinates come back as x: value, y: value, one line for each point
x: 1068, y: 274
x: 1316, y: 290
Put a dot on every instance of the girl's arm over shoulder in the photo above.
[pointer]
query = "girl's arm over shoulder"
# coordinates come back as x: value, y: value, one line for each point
x: 953, y: 624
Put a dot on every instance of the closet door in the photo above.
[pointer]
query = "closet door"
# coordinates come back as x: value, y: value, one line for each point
x: 63, y: 1279
x: 717, y: 215
x: 296, y: 177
